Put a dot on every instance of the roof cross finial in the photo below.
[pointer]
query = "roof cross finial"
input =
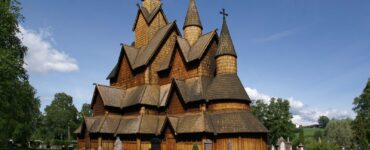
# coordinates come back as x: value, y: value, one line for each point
x: 223, y: 13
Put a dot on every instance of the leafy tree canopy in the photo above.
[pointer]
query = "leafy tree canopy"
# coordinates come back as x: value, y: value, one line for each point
x: 361, y: 124
x: 323, y: 121
x: 61, y: 116
x: 276, y: 117
x: 18, y: 105
x: 86, y: 110
x: 339, y: 132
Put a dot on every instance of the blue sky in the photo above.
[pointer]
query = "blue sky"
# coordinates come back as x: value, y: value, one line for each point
x: 315, y: 53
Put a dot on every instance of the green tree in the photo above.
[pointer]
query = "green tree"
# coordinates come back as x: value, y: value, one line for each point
x: 259, y: 109
x: 18, y: 105
x: 61, y: 116
x: 323, y: 121
x: 86, y: 110
x: 339, y: 132
x: 313, y: 144
x: 276, y: 117
x: 361, y: 124
x: 318, y: 135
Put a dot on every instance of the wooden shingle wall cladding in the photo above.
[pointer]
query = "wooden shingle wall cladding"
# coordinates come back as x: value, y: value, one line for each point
x: 208, y: 64
x: 141, y: 32
x: 144, y: 31
x: 175, y: 105
x: 163, y: 53
x: 126, y: 78
x: 151, y: 4
x: 192, y: 34
x: 98, y: 106
x: 226, y: 64
x: 228, y: 105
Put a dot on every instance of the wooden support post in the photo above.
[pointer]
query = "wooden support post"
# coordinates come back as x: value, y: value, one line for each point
x: 138, y: 143
x: 100, y: 142
x: 240, y: 143
x: 142, y: 110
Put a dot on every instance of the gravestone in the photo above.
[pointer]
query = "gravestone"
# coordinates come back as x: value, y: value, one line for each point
x: 229, y: 145
x: 118, y: 144
x: 281, y: 144
x: 208, y: 144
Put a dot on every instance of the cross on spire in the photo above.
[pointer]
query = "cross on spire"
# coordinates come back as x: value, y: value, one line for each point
x: 223, y: 13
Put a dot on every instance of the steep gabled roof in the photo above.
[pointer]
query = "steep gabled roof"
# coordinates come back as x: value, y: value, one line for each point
x: 144, y: 124
x: 87, y: 124
x: 114, y: 124
x: 191, y: 123
x: 193, y: 89
x: 192, y: 16
x: 148, y: 17
x: 226, y: 87
x: 191, y: 53
x: 226, y: 46
x: 221, y: 87
x: 153, y: 95
x: 111, y: 95
x: 141, y: 57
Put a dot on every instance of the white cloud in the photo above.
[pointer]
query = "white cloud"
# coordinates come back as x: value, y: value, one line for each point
x: 41, y: 56
x: 302, y: 114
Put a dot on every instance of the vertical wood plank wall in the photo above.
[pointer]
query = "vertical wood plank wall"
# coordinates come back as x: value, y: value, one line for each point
x: 241, y: 144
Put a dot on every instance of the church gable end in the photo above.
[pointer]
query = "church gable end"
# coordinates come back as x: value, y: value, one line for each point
x: 147, y: 24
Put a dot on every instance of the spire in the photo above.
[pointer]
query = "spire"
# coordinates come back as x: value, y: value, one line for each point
x: 192, y: 16
x: 225, y: 46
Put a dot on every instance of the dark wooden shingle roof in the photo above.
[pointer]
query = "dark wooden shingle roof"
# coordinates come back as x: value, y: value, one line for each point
x: 148, y: 17
x: 113, y: 124
x: 222, y: 87
x: 191, y: 53
x: 226, y: 46
x: 139, y: 57
x: 227, y: 87
x: 192, y: 16
x: 218, y: 122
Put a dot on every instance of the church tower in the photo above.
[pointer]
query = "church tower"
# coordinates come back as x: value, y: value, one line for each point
x: 192, y: 25
x: 226, y: 62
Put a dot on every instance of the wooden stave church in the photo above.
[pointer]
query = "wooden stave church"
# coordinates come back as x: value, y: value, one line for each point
x: 170, y: 91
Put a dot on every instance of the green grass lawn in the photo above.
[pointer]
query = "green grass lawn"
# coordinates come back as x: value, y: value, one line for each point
x: 309, y: 132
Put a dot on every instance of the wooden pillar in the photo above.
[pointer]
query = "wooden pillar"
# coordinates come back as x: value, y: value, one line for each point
x: 203, y: 107
x: 138, y: 143
x: 239, y: 143
x: 147, y: 75
x: 100, y: 142
x: 142, y: 110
